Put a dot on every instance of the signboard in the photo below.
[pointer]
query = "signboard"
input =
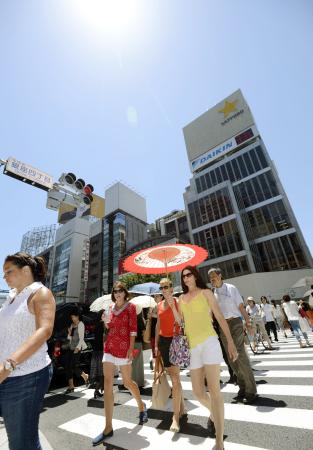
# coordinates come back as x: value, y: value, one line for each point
x: 28, y: 174
x: 217, y: 126
x: 67, y: 211
x: 222, y: 149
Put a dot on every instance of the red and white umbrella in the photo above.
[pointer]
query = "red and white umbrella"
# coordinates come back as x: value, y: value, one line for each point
x: 165, y: 258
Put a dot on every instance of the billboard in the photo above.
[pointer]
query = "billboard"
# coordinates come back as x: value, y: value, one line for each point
x: 218, y: 125
x: 68, y: 212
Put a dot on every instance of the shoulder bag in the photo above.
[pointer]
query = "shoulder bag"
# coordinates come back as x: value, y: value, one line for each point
x: 161, y: 389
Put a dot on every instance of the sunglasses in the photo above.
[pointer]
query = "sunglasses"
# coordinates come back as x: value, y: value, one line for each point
x: 165, y: 287
x: 187, y: 275
x: 118, y: 291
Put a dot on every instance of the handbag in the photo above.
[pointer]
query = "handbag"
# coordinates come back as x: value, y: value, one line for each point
x: 147, y: 332
x: 179, y: 353
x: 161, y: 389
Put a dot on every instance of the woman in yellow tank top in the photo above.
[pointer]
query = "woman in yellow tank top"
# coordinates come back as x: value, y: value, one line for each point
x: 196, y: 305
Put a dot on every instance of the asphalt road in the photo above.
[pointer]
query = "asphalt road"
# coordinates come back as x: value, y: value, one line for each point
x: 280, y: 419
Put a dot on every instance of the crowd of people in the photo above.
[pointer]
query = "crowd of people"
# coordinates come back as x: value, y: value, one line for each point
x: 216, y: 322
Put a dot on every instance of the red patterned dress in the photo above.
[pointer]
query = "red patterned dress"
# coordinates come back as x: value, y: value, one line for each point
x: 122, y: 325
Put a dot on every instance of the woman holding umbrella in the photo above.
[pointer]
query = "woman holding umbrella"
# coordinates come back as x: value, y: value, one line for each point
x: 167, y: 324
x: 118, y: 351
x: 197, y: 304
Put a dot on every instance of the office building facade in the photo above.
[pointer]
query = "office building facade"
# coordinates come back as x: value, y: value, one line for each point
x: 236, y: 205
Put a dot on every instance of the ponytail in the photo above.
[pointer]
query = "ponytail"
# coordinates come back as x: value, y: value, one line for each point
x: 36, y: 264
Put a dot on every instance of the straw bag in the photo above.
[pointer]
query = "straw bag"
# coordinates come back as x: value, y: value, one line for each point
x: 161, y: 389
x: 179, y: 349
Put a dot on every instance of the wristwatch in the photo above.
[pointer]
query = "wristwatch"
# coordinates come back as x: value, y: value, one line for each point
x: 9, y: 365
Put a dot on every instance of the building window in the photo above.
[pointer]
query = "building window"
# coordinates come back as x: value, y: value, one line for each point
x: 230, y: 268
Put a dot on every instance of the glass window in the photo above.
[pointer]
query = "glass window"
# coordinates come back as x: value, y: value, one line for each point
x: 248, y: 162
x: 198, y: 185
x: 242, y: 166
x: 202, y: 183
x: 218, y: 175
x: 213, y: 178
x: 236, y: 169
x: 224, y: 173
x: 230, y: 172
x: 261, y: 156
x: 255, y: 160
x: 208, y: 180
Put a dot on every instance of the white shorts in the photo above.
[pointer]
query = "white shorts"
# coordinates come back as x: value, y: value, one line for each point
x: 107, y: 357
x: 206, y: 353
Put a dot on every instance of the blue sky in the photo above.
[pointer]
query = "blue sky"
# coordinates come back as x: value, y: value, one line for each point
x: 105, y: 94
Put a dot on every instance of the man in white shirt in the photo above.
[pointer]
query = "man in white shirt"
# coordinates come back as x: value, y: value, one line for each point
x: 232, y: 307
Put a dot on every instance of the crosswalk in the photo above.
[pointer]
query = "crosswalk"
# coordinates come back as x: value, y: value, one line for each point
x: 280, y: 419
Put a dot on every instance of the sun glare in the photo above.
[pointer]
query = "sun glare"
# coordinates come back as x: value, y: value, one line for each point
x: 113, y: 17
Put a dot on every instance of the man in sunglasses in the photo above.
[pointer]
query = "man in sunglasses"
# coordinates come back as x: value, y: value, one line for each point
x: 231, y: 304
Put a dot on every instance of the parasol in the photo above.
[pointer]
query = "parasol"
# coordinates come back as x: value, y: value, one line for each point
x: 145, y: 288
x: 145, y: 301
x: 101, y: 303
x: 165, y: 258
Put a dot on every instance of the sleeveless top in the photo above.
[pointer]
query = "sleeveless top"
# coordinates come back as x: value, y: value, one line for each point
x: 167, y: 320
x: 198, y: 320
x: 17, y: 324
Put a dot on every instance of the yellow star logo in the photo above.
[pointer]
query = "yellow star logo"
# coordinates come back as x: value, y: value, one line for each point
x: 229, y: 107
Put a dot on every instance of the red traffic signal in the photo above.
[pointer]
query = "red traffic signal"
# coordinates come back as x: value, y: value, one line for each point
x: 88, y: 189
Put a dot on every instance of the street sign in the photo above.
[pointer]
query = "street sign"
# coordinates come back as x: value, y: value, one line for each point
x: 28, y: 174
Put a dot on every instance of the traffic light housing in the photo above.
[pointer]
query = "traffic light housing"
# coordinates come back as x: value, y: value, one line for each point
x: 78, y: 184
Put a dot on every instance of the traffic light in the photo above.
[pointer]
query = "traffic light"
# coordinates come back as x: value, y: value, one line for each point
x: 87, y: 197
x: 78, y: 184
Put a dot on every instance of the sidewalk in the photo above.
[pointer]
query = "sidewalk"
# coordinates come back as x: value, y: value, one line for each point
x: 4, y: 440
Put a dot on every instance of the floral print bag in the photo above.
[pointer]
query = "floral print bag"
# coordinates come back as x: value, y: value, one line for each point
x: 179, y: 349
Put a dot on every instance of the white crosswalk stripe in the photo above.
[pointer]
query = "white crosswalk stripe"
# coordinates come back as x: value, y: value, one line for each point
x: 285, y: 389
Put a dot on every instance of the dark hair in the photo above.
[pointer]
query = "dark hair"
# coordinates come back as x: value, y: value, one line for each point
x: 305, y: 306
x: 37, y: 264
x: 264, y: 298
x: 199, y: 281
x: 286, y: 298
x: 119, y: 285
x: 75, y: 311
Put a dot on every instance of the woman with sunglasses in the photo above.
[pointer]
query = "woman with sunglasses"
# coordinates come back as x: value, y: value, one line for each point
x: 196, y: 305
x: 118, y: 351
x: 168, y: 319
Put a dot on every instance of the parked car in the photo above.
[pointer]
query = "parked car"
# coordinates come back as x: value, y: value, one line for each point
x: 58, y: 342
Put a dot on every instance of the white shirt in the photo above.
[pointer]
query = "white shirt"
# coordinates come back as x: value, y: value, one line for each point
x: 291, y: 310
x: 17, y: 324
x: 255, y: 312
x: 228, y: 298
x: 268, y: 311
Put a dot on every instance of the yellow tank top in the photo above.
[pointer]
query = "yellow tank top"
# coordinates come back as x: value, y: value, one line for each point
x: 198, y: 320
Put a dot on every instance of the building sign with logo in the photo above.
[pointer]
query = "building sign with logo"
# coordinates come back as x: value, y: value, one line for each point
x: 28, y: 174
x: 218, y: 126
x: 222, y: 149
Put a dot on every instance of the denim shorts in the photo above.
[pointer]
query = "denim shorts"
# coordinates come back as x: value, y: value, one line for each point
x: 21, y: 400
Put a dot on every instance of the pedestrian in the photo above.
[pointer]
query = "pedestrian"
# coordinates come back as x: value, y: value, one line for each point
x: 167, y: 325
x: 138, y: 373
x: 231, y: 304
x: 309, y: 314
x: 96, y: 366
x: 303, y: 320
x: 256, y: 318
x: 153, y: 317
x: 118, y: 351
x: 76, y: 335
x: 269, y: 317
x: 279, y: 318
x: 196, y: 306
x: 291, y: 310
x: 26, y: 323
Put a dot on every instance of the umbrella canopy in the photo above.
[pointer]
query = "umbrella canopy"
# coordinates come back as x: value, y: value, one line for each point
x: 145, y: 288
x: 306, y: 281
x: 165, y: 258
x: 308, y: 293
x: 145, y: 301
x: 101, y: 303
